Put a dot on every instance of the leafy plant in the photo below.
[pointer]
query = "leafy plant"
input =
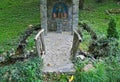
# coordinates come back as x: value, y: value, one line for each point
x: 63, y: 78
x: 104, y: 47
x: 112, y: 31
x: 31, y: 42
x: 27, y: 71
x: 94, y: 75
x: 105, y: 71
x: 112, y: 67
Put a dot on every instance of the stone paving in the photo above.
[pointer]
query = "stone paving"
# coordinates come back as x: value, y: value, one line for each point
x: 58, y: 46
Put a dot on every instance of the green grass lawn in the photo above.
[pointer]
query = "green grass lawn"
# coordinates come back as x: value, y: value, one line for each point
x: 15, y: 16
x: 97, y: 17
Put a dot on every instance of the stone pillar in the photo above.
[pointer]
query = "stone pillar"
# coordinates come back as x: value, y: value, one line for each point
x: 75, y: 14
x: 43, y: 14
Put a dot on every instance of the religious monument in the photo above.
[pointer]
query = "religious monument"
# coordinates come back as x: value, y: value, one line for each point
x: 59, y: 18
x: 59, y: 15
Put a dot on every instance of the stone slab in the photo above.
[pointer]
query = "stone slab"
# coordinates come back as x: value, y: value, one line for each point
x: 57, y: 57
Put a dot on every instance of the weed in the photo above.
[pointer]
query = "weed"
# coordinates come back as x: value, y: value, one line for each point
x: 27, y: 71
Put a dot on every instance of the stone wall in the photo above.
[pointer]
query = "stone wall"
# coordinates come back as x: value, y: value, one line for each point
x: 43, y: 14
x: 75, y: 14
x: 50, y: 24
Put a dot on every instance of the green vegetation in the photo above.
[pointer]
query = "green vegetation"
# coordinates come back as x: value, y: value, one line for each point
x: 97, y: 74
x: 94, y: 14
x: 15, y: 16
x: 56, y: 77
x: 30, y: 43
x: 112, y: 32
x: 105, y: 70
x: 27, y: 71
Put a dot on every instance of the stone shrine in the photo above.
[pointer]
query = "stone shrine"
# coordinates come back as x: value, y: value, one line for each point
x: 59, y: 15
x: 58, y: 48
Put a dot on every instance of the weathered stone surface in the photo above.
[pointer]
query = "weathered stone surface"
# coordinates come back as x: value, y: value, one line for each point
x: 58, y: 46
x: 68, y: 24
x: 43, y: 13
x: 82, y: 57
x: 75, y: 14
x: 52, y: 22
x: 57, y: 57
x: 39, y: 41
x: 77, y: 38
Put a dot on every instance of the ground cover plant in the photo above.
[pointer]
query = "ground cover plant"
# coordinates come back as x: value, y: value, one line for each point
x: 15, y: 16
x: 94, y: 15
x: 103, y: 71
x: 105, y: 68
x: 26, y: 71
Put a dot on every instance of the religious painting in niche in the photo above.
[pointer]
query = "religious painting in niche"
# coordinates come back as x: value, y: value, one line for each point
x: 60, y: 10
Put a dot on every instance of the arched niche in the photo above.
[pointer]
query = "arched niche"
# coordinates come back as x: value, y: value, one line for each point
x: 60, y: 10
x: 49, y: 23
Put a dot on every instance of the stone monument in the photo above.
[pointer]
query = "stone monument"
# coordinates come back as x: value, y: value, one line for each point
x: 59, y: 15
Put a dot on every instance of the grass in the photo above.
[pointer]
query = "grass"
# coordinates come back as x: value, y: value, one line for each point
x: 104, y: 71
x: 95, y: 16
x: 15, y: 16
x: 26, y: 71
x: 98, y: 74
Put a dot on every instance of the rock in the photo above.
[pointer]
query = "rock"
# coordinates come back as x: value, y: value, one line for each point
x: 2, y: 59
x: 32, y: 51
x: 88, y: 67
x: 48, y: 64
x: 118, y: 3
x: 30, y: 26
x: 82, y: 57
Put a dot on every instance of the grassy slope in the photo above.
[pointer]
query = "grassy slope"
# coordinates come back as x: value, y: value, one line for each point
x: 97, y: 15
x: 97, y: 19
x: 15, y: 16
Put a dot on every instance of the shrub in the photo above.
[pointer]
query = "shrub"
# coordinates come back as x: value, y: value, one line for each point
x: 99, y: 1
x: 113, y: 68
x: 104, y: 47
x: 81, y: 4
x: 105, y: 71
x: 94, y: 75
x: 111, y: 31
x: 27, y: 71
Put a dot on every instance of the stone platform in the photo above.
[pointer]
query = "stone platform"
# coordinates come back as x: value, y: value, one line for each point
x: 57, y: 57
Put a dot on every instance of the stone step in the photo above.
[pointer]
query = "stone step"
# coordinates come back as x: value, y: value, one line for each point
x: 57, y: 57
